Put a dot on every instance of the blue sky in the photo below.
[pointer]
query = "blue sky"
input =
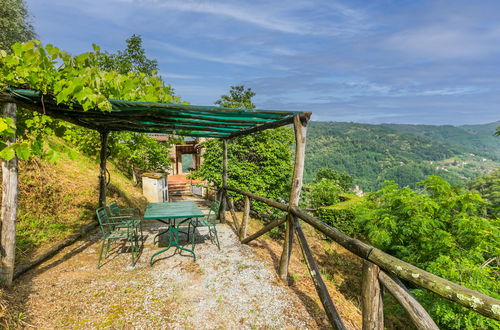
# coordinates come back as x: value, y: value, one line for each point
x: 417, y: 62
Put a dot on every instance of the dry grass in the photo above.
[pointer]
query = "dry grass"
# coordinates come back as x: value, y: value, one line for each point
x: 341, y: 271
x: 55, y: 201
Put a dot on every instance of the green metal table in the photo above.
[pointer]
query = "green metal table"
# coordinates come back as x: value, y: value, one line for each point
x: 168, y: 213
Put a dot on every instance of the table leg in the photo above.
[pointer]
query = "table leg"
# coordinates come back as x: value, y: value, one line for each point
x: 173, y: 241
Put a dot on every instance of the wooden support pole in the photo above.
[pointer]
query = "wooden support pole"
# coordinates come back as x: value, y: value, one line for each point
x: 300, y: 129
x: 9, y: 207
x: 102, y: 171
x: 244, y: 221
x: 324, y: 296
x: 223, y: 206
x: 417, y: 313
x: 371, y: 296
x: 264, y: 230
x: 233, y: 214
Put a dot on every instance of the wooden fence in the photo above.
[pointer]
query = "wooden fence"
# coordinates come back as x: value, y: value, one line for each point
x: 380, y: 270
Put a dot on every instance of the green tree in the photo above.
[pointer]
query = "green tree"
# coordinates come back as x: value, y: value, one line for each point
x: 324, y: 192
x: 441, y: 229
x: 260, y: 163
x: 15, y: 24
x: 238, y: 97
x: 488, y: 186
x: 132, y: 59
x: 343, y: 180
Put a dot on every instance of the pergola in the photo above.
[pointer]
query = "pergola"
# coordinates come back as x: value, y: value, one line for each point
x: 147, y: 117
x: 380, y: 270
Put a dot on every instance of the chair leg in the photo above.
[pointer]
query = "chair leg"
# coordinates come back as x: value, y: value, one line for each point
x: 100, y: 254
x: 216, y: 237
x: 133, y: 247
x: 107, y: 248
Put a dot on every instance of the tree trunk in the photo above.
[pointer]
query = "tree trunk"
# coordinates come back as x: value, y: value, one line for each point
x: 9, y: 207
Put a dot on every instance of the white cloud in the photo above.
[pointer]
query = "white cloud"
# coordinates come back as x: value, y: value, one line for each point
x: 283, y: 17
x: 237, y: 58
x: 179, y: 76
x: 446, y: 41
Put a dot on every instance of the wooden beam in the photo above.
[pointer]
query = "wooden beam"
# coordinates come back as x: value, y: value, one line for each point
x: 54, y: 249
x: 244, y: 221
x: 9, y: 206
x: 264, y: 230
x: 488, y: 306
x: 417, y: 313
x: 265, y: 200
x: 355, y: 246
x: 371, y: 298
x: 321, y: 289
x: 282, y: 122
x: 300, y: 129
x: 102, y: 171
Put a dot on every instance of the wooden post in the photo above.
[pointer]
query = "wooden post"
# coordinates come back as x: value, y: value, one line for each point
x: 321, y: 289
x: 300, y: 128
x: 371, y: 294
x: 9, y: 207
x: 223, y: 206
x: 102, y: 172
x: 230, y: 205
x: 244, y: 221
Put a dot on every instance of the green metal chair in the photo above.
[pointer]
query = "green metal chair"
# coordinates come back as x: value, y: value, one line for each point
x: 209, y: 221
x: 128, y: 214
x: 117, y: 228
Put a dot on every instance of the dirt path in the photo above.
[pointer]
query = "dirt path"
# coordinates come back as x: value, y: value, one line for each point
x: 231, y: 288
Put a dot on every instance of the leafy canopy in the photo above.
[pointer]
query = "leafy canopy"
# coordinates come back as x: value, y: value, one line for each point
x: 343, y: 180
x: 135, y: 152
x: 72, y: 80
x: 442, y: 229
x: 238, y: 97
x: 132, y: 59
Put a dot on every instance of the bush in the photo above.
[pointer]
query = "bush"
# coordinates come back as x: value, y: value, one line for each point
x: 342, y: 219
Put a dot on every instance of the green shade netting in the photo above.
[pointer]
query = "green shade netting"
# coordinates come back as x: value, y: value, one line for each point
x: 150, y: 117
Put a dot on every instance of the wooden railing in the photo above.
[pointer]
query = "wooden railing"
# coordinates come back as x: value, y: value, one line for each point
x: 379, y: 270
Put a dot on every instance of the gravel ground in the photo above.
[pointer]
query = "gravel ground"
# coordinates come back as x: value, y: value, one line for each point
x: 230, y: 288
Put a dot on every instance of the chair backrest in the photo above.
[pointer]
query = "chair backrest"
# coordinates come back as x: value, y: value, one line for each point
x: 213, y: 213
x: 103, y: 218
x: 114, y: 208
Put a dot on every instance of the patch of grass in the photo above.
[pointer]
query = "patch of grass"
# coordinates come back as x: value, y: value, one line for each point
x: 56, y: 200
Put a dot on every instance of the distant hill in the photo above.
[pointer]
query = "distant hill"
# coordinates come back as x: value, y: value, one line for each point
x: 477, y: 139
x: 404, y: 153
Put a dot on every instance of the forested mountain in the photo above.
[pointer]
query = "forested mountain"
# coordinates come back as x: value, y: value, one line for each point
x: 404, y: 153
x: 476, y: 139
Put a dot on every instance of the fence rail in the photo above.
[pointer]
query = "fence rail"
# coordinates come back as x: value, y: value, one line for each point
x: 379, y: 270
